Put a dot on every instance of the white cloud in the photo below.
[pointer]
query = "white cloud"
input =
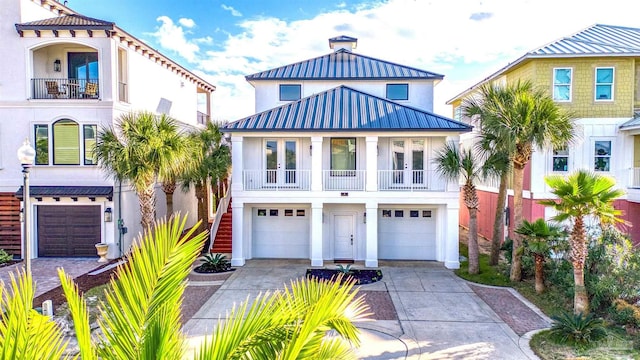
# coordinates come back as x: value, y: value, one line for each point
x: 172, y: 37
x: 466, y: 41
x: 188, y: 23
x: 230, y: 9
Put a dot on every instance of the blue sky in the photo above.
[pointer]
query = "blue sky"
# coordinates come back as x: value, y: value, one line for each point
x: 465, y: 40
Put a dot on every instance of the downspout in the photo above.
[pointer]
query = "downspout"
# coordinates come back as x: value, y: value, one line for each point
x: 120, y: 221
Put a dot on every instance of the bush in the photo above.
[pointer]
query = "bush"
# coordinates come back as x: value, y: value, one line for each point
x: 623, y: 313
x: 577, y: 329
x: 4, y: 257
x: 214, y: 263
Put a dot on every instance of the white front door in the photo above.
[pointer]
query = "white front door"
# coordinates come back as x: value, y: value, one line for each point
x: 281, y: 160
x: 343, y: 236
x: 407, y: 162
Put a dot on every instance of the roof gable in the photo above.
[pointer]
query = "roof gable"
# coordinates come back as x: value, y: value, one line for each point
x: 343, y: 64
x: 345, y: 109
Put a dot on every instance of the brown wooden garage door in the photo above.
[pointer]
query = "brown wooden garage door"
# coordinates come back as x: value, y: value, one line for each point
x: 68, y: 230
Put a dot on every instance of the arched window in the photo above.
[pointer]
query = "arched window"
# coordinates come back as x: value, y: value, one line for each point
x: 66, y: 143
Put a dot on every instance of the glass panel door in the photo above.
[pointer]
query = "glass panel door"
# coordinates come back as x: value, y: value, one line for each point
x: 290, y: 161
x: 271, y: 161
x: 417, y: 161
x: 398, y: 161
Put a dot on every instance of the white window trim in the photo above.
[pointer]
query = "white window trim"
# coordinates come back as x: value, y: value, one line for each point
x: 595, y: 83
x: 568, y: 156
x: 553, y: 84
x: 50, y: 148
x: 592, y: 155
x: 288, y: 101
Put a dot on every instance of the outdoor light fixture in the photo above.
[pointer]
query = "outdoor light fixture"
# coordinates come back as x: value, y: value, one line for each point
x: 108, y: 215
x: 310, y: 150
x: 26, y: 156
x: 57, y: 65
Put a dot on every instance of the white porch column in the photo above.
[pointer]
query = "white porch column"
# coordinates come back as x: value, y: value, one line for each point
x: 316, y: 163
x: 371, y: 247
x: 316, y: 234
x: 372, y: 164
x: 238, y: 166
x: 237, y: 239
x: 451, y: 246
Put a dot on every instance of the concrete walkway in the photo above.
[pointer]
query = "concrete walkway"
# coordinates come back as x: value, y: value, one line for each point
x: 439, y: 315
x: 45, y: 273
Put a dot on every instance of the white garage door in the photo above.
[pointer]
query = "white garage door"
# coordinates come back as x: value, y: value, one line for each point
x: 406, y: 234
x: 281, y: 233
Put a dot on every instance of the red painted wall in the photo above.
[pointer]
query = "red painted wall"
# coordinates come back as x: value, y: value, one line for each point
x: 631, y: 213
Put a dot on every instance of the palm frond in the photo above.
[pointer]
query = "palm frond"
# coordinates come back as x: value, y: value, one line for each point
x: 80, y: 316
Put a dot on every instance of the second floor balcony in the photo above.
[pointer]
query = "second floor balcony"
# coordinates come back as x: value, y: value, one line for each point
x: 59, y: 88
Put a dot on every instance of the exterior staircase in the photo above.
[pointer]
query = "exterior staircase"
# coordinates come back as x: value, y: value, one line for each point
x: 222, y: 242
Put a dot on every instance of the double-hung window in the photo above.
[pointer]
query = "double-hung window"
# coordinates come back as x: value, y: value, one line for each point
x: 602, y: 155
x: 562, y: 84
x: 343, y: 156
x: 561, y: 159
x: 68, y: 143
x: 604, y: 84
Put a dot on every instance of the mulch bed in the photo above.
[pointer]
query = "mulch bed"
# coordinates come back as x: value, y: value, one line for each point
x: 361, y: 276
x: 85, y: 282
x: 10, y: 262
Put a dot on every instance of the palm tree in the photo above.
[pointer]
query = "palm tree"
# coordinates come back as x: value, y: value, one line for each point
x: 141, y: 317
x: 142, y: 149
x: 538, y: 235
x: 580, y: 195
x: 524, y: 118
x: 213, y: 163
x: 453, y: 163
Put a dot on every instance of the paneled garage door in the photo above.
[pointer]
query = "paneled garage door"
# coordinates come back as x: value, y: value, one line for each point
x: 281, y: 233
x: 406, y: 234
x: 68, y: 230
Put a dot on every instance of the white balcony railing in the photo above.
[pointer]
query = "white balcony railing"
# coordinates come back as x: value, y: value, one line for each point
x: 343, y: 179
x: 410, y: 180
x: 634, y: 181
x: 276, y: 180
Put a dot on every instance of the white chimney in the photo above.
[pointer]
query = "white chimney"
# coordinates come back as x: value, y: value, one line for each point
x: 343, y: 42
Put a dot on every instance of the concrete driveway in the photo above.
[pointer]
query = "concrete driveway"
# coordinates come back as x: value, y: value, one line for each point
x: 439, y: 315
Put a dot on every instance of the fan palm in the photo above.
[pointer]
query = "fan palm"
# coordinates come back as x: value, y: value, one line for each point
x: 213, y: 163
x: 482, y: 109
x: 580, y: 195
x: 141, y: 149
x: 538, y: 235
x: 523, y: 118
x: 141, y: 317
x: 453, y: 163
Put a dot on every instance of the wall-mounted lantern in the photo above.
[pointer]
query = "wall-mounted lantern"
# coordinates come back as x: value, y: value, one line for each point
x: 108, y: 215
x: 57, y: 65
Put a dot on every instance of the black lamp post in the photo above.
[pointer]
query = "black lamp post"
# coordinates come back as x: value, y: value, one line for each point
x: 26, y: 156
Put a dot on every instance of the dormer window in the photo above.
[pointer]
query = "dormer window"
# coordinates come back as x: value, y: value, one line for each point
x: 398, y: 91
x: 290, y: 92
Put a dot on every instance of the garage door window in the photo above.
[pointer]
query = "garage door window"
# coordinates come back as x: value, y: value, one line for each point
x: 426, y: 213
x: 273, y: 212
x: 414, y: 213
x: 399, y: 213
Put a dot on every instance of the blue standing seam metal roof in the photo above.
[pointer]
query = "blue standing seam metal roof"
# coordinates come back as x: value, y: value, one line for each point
x: 345, y: 109
x: 343, y: 64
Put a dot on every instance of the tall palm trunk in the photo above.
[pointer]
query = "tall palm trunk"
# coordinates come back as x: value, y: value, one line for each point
x: 203, y: 215
x: 474, y: 267
x: 498, y: 224
x: 169, y: 187
x: 539, y: 272
x: 578, y: 257
x: 147, y: 198
x: 516, y: 256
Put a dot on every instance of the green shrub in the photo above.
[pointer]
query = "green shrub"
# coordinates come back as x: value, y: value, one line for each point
x: 215, y: 263
x: 4, y: 257
x: 577, y: 329
x: 623, y: 313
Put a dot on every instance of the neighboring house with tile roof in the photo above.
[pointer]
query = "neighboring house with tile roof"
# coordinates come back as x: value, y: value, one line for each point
x: 64, y: 76
x: 337, y: 164
x: 594, y: 74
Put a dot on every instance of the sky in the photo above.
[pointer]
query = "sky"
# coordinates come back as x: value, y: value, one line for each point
x: 465, y: 40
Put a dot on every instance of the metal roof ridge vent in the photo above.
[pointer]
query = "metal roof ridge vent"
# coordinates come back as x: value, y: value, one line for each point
x: 343, y: 42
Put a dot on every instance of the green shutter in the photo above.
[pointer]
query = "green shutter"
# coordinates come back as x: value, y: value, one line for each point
x: 66, y: 143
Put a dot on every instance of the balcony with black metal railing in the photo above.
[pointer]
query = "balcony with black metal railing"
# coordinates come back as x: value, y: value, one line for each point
x: 62, y: 88
x: 203, y: 118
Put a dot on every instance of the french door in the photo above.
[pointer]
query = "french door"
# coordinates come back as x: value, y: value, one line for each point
x: 407, y: 162
x: 281, y: 162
